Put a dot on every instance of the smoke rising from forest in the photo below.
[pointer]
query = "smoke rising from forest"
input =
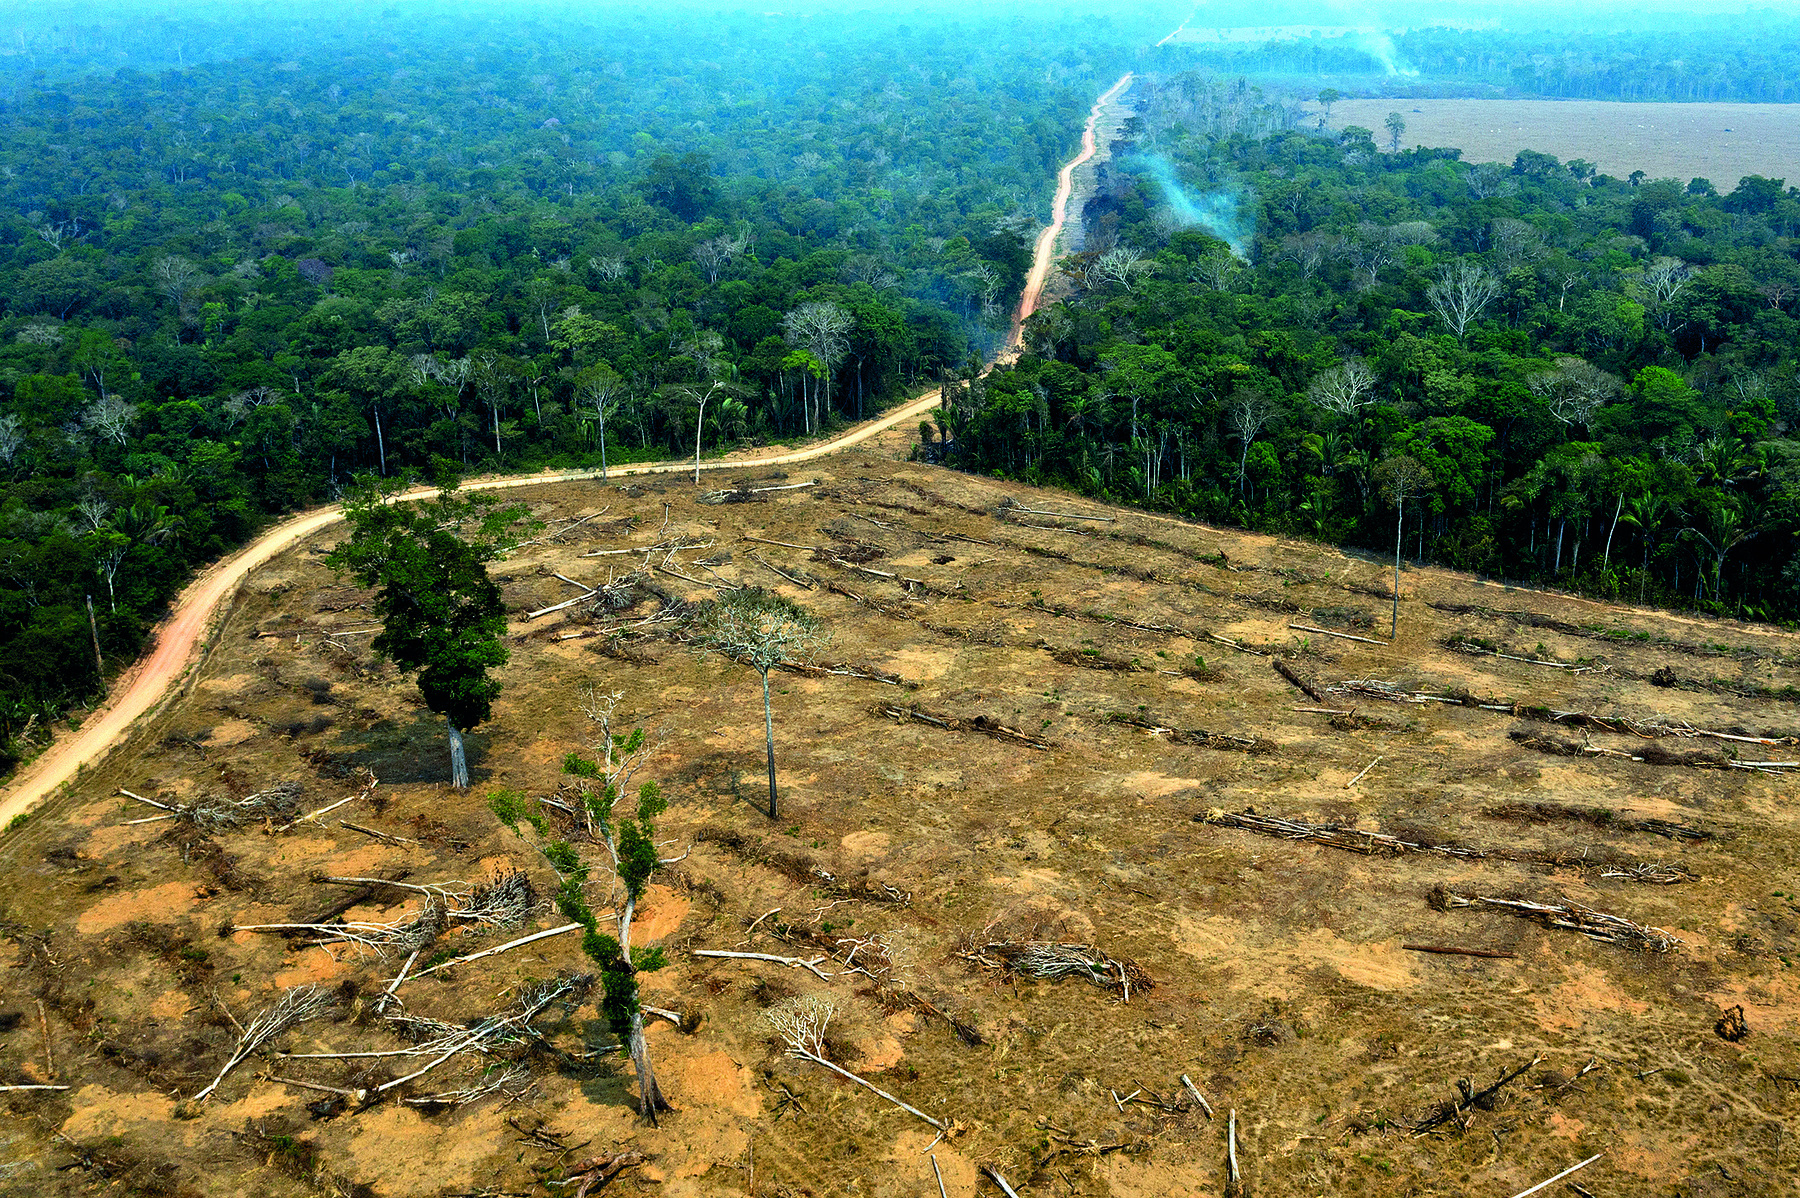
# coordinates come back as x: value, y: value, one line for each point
x: 1218, y: 212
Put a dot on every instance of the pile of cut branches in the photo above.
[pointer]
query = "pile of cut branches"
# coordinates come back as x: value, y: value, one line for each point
x: 980, y: 723
x: 1371, y: 844
x: 1651, y: 753
x: 1378, y: 844
x: 503, y: 901
x: 1196, y: 736
x: 1049, y: 959
x: 1596, y: 925
x: 216, y: 813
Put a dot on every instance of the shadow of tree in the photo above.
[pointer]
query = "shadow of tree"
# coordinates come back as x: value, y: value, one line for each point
x: 416, y: 750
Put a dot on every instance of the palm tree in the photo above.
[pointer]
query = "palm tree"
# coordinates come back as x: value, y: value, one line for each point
x: 1645, y: 512
x: 1726, y: 529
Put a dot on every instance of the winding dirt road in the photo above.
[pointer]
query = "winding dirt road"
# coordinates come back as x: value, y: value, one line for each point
x: 1043, y: 257
x: 180, y: 639
x: 199, y: 608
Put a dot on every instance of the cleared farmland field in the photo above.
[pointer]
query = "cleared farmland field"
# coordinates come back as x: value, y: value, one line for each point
x: 1720, y: 142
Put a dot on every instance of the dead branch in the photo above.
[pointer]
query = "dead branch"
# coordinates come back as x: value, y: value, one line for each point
x: 1355, y: 840
x: 376, y: 834
x: 1470, y: 1097
x: 1000, y: 1181
x: 1010, y: 505
x: 1199, y: 1098
x: 1595, y: 925
x: 513, y: 1081
x: 7, y: 1089
x: 1342, y: 636
x: 1307, y: 686
x: 44, y: 1024
x: 980, y: 723
x: 1196, y: 736
x: 402, y: 935
x: 294, y: 1007
x: 1365, y: 772
x: 792, y: 962
x: 598, y: 1170
x: 1460, y: 952
x: 1598, y: 816
x: 544, y: 611
x: 760, y: 560
x: 1231, y: 1151
x: 1525, y: 1193
x: 801, y: 1023
x: 500, y: 948
x: 1238, y: 645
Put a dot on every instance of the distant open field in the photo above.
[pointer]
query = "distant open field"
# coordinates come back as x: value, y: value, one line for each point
x: 1720, y: 142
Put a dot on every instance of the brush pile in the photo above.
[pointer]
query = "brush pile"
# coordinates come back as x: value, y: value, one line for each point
x: 1378, y: 844
x: 1051, y: 960
x: 1595, y: 925
x: 216, y: 813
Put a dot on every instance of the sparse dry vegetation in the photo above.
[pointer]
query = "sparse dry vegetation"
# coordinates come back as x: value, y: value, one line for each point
x: 1036, y: 781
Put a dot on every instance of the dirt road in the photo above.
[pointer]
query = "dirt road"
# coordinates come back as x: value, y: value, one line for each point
x: 1044, y: 255
x: 179, y: 641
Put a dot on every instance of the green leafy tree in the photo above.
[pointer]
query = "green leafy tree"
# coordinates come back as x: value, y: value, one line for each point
x: 622, y: 822
x: 442, y: 615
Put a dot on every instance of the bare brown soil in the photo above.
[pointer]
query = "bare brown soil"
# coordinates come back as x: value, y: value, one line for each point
x: 1720, y: 142
x: 1281, y: 986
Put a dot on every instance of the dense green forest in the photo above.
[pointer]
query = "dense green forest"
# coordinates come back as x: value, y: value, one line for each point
x: 1559, y: 375
x: 229, y: 288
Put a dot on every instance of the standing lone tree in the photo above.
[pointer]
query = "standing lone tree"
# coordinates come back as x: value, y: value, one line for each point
x: 442, y: 615
x: 1400, y: 479
x: 624, y: 824
x: 762, y: 630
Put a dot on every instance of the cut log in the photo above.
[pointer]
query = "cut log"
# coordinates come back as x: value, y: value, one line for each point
x: 1342, y: 636
x: 1307, y: 687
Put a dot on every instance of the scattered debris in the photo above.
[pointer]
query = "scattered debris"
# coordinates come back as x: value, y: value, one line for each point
x: 296, y: 1006
x: 1469, y: 1097
x: 1595, y: 925
x: 1376, y: 844
x: 1049, y: 959
x: 980, y: 723
x: 802, y: 1022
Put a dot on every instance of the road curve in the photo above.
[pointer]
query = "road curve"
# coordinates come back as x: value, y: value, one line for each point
x: 144, y: 688
x: 1044, y: 254
x: 179, y: 640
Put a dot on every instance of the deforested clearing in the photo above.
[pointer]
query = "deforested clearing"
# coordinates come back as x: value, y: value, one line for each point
x: 1001, y: 864
x: 1719, y: 142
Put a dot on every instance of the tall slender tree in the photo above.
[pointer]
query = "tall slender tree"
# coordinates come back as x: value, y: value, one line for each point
x: 762, y: 630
